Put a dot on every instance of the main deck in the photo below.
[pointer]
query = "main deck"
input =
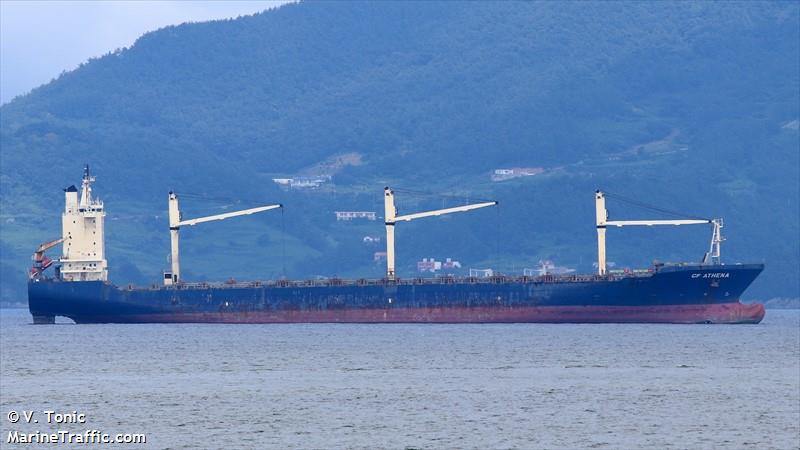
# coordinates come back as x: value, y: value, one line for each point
x: 688, y: 293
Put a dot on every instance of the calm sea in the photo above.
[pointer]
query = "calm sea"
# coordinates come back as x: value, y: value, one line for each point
x: 420, y: 386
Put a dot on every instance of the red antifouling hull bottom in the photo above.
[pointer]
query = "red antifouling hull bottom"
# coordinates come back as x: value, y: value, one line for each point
x: 726, y: 313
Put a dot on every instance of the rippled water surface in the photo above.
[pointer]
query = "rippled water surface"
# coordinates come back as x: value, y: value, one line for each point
x: 425, y: 386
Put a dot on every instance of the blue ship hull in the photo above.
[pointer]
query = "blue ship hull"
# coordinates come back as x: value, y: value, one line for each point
x: 667, y: 294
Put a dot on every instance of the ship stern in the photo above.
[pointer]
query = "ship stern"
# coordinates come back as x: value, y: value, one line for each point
x: 38, y: 304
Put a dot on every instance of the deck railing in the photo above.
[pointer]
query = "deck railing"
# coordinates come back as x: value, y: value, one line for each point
x: 329, y: 282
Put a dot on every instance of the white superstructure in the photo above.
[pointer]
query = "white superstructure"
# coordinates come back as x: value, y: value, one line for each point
x: 83, y: 232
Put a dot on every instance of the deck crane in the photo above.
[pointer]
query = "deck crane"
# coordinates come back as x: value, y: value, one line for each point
x: 391, y: 218
x: 713, y: 253
x: 41, y: 262
x: 175, y: 224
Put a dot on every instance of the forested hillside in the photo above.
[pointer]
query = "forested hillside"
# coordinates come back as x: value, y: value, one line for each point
x: 691, y: 106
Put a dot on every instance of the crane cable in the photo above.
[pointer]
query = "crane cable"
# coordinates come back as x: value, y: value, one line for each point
x: 283, y: 244
x: 653, y: 207
x: 226, y: 200
x: 415, y: 193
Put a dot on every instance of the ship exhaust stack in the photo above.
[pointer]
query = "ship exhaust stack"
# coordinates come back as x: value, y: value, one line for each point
x: 391, y: 217
x: 176, y: 222
x: 602, y: 223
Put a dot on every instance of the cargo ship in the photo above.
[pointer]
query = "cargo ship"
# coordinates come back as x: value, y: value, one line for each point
x: 703, y: 292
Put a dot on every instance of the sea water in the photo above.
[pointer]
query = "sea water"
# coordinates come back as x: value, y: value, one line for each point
x: 398, y: 386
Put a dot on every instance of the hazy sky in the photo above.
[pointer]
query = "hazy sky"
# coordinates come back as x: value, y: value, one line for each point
x: 40, y: 39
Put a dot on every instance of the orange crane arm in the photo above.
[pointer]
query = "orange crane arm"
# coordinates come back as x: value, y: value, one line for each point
x: 39, y: 253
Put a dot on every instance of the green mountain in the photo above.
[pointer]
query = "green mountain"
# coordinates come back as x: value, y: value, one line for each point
x: 693, y: 107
